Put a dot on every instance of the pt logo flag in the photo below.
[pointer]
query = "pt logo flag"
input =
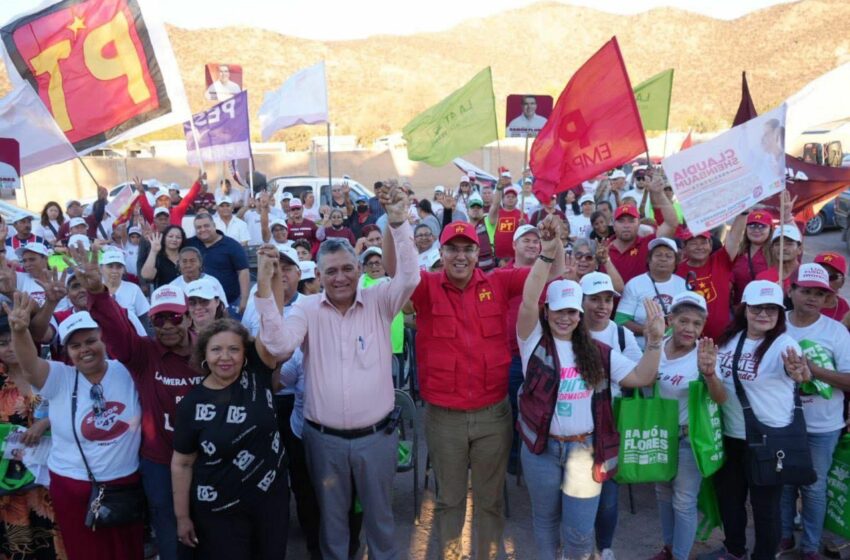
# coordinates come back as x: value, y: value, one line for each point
x: 594, y: 126
x: 222, y: 132
x: 104, y: 71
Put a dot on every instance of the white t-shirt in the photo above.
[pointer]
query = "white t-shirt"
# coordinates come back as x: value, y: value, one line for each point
x: 44, y: 231
x: 825, y: 342
x: 674, y: 376
x: 131, y: 255
x: 312, y: 213
x: 580, y: 225
x: 236, y: 229
x: 631, y: 350
x: 130, y: 297
x: 26, y: 283
x: 252, y: 220
x: 641, y: 287
x: 110, y: 441
x: 768, y: 388
x: 573, y: 413
x: 181, y: 283
x: 529, y: 204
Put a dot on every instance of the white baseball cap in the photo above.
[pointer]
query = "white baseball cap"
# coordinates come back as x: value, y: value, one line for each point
x: 21, y: 216
x: 666, y: 241
x: 112, y: 256
x: 564, y: 294
x: 630, y: 194
x: 789, y: 231
x: 617, y: 174
x: 586, y: 198
x: 511, y: 189
x: 475, y: 198
x: 439, y: 189
x: 34, y: 247
x: 528, y: 180
x: 369, y: 252
x: 812, y: 275
x: 162, y: 192
x: 168, y: 298
x: 506, y: 174
x: 161, y: 210
x: 287, y: 252
x: 77, y: 238
x: 296, y: 203
x: 225, y: 200
x: 431, y: 258
x: 174, y: 187
x: 308, y: 270
x: 286, y: 196
x: 760, y: 292
x: 135, y: 229
x: 278, y: 222
x: 201, y: 288
x: 596, y: 283
x: 689, y: 298
x: 464, y: 179
x: 79, y: 321
x: 525, y: 228
x: 74, y: 222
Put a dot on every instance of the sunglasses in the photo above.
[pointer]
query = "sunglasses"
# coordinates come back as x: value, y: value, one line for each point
x: 767, y: 309
x: 836, y: 276
x: 756, y: 225
x: 160, y: 319
x: 98, y: 401
x: 583, y: 256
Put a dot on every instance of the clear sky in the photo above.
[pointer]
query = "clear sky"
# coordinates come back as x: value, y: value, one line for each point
x: 362, y: 18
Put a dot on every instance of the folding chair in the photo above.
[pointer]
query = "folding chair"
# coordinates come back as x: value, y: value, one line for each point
x: 408, y: 441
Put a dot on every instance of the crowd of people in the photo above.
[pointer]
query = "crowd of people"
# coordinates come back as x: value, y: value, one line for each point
x: 168, y: 371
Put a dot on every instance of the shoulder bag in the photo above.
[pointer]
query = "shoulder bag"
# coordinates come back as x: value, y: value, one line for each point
x: 108, y: 505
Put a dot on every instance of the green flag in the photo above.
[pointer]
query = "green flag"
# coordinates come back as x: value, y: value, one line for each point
x: 461, y: 122
x: 653, y: 100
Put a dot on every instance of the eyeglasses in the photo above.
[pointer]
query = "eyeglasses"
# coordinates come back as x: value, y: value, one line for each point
x: 583, y: 256
x: 98, y: 401
x: 767, y: 309
x: 755, y: 225
x: 422, y: 235
x: 374, y: 262
x: 836, y: 276
x: 160, y: 319
x: 469, y: 250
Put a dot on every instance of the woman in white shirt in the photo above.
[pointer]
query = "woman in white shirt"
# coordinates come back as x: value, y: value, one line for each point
x: 561, y: 465
x: 660, y: 284
x: 769, y: 366
x: 128, y: 295
x: 94, y: 412
x: 682, y: 360
x: 51, y: 220
x: 311, y: 208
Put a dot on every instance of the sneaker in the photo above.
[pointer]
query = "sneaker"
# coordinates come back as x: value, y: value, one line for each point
x: 786, y: 544
x: 720, y: 554
x: 607, y: 554
x: 664, y: 554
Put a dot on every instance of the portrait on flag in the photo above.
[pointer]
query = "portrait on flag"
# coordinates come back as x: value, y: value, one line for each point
x: 717, y: 180
x: 222, y: 81
x: 526, y: 114
x: 102, y: 69
x: 220, y: 133
x: 10, y: 164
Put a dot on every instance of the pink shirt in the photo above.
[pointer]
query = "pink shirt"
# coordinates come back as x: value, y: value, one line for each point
x: 347, y: 358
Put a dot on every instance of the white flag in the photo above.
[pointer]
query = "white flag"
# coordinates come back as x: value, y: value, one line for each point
x: 25, y: 118
x: 302, y: 99
x: 822, y: 101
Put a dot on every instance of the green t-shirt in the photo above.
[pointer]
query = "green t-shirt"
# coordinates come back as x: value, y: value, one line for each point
x: 397, y: 326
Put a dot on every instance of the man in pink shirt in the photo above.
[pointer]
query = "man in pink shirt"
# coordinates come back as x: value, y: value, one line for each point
x: 349, y: 421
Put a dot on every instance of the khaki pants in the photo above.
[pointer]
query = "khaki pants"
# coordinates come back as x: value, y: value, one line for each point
x: 478, y: 440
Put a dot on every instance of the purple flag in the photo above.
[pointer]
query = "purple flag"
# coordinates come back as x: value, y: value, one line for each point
x: 222, y: 132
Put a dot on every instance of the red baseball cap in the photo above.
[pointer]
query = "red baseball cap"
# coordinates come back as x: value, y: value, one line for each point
x: 686, y: 234
x: 459, y: 229
x: 834, y: 260
x: 760, y: 217
x: 626, y: 211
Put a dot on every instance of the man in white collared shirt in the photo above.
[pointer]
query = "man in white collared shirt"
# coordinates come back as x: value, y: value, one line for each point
x: 230, y: 225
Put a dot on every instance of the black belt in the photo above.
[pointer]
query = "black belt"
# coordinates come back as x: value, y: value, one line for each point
x: 351, y: 434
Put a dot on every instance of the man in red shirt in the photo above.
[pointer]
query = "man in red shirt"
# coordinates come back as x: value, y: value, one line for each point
x: 629, y: 252
x: 163, y: 199
x: 836, y: 266
x: 299, y: 226
x: 505, y: 217
x: 463, y: 367
x: 710, y: 274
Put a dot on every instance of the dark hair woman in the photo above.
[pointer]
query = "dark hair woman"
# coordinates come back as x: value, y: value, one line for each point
x: 230, y: 495
x: 51, y: 220
x: 160, y: 268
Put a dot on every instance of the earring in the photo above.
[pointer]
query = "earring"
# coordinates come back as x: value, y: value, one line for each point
x: 245, y: 365
x: 204, y: 365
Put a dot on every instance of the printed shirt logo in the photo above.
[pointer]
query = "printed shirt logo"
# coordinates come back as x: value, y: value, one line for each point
x: 208, y: 447
x: 507, y: 224
x: 485, y: 294
x: 236, y: 414
x: 267, y: 480
x: 634, y: 252
x: 747, y: 370
x: 106, y: 426
x: 460, y: 228
x: 204, y: 412
x: 243, y: 460
x: 207, y: 494
x: 705, y: 287
x: 572, y: 388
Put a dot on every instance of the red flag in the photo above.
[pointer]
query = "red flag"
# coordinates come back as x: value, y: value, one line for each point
x: 595, y: 126
x: 687, y: 142
x: 812, y: 185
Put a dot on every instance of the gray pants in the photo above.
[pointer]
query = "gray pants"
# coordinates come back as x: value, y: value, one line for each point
x: 370, y: 462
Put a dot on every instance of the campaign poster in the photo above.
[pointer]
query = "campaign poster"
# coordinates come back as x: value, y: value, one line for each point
x: 222, y: 81
x: 10, y: 163
x: 526, y: 114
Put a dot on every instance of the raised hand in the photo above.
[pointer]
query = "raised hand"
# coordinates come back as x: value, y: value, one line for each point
x: 570, y: 267
x: 137, y: 184
x: 706, y: 357
x: 601, y: 253
x: 656, y: 184
x: 155, y: 239
x: 8, y: 279
x: 549, y: 238
x: 86, y: 268
x: 263, y: 200
x: 654, y: 327
x: 796, y: 366
x: 395, y: 203
x: 54, y: 285
x: 19, y: 315
x: 267, y: 262
x: 449, y: 200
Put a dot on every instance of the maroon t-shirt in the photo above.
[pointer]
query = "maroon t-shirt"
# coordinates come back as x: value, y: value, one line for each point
x: 162, y: 377
x: 745, y: 269
x: 632, y: 261
x: 305, y: 230
x: 713, y: 281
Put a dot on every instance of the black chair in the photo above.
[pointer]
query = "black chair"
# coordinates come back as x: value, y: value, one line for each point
x: 408, y: 434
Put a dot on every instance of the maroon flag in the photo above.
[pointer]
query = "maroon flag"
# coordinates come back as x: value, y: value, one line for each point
x: 812, y: 185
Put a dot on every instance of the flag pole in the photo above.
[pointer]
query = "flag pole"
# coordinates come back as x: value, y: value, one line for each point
x: 86, y: 167
x: 197, y: 144
x: 250, y: 176
x: 24, y: 189
x: 330, y: 175
x: 781, y: 237
x: 525, y: 154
